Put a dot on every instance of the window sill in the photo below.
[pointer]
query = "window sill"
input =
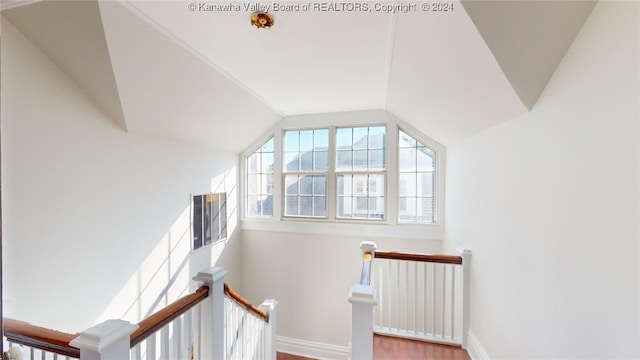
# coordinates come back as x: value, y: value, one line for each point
x: 410, y: 231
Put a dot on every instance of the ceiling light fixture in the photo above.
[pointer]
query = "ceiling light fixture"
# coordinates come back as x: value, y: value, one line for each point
x: 261, y: 20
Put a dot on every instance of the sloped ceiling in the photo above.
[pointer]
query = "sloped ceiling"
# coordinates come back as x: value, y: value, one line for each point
x: 529, y: 38
x: 208, y: 77
x: 70, y: 33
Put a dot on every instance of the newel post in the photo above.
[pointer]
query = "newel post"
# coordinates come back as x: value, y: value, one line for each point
x: 109, y: 340
x: 269, y: 306
x: 466, y: 293
x: 362, y: 298
x: 213, y: 316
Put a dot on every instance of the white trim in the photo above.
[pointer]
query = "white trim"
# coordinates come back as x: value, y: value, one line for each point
x: 475, y: 349
x: 312, y: 349
x: 409, y: 231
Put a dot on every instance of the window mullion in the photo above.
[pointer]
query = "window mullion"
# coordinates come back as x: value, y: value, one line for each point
x: 278, y: 177
x: 332, y: 193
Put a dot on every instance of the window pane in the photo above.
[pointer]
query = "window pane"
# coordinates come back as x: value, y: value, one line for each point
x: 306, y: 185
x: 376, y: 185
x: 306, y: 140
x: 270, y: 183
x: 345, y: 185
x: 291, y: 141
x: 376, y: 137
x: 344, y: 207
x: 321, y: 161
x: 425, y: 184
x: 405, y: 140
x: 266, y: 165
x: 376, y: 207
x: 268, y: 146
x: 198, y: 225
x: 362, y: 204
x: 409, y: 214
x: 426, y: 209
x: 209, y: 219
x: 408, y: 184
x: 425, y: 159
x: 373, y: 204
x: 416, y: 185
x: 360, y: 184
x: 407, y: 159
x: 253, y: 184
x: 376, y: 159
x: 253, y: 163
x: 291, y: 184
x: 360, y: 138
x: 402, y: 204
x: 306, y: 206
x: 291, y: 160
x: 259, y: 185
x: 360, y: 160
x: 254, y: 206
x: 319, y: 185
x: 267, y: 205
x: 344, y: 160
x: 319, y: 206
x: 306, y: 161
x: 344, y: 139
x: 321, y: 139
x: 291, y: 207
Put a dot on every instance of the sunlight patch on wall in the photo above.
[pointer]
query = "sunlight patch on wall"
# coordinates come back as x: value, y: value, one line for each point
x: 165, y: 274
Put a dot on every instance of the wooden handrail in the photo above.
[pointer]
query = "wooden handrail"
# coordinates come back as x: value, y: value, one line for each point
x: 245, y: 304
x: 163, y: 317
x: 365, y: 279
x: 23, y: 333
x: 442, y: 259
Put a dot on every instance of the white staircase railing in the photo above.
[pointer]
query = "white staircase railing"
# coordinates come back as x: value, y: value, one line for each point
x: 418, y: 296
x: 421, y: 296
x: 212, y: 323
x: 248, y: 336
x: 172, y: 333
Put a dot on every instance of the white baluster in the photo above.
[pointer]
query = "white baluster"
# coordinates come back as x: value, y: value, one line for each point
x: 424, y: 298
x: 382, y: 292
x: 415, y: 299
x: 151, y: 347
x: 444, y: 301
x: 398, y: 296
x: 453, y: 298
x: 164, y: 343
x: 388, y: 309
x: 406, y: 294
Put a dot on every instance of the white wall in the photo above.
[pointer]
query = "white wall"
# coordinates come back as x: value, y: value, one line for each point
x: 310, y: 275
x: 549, y: 204
x: 95, y: 221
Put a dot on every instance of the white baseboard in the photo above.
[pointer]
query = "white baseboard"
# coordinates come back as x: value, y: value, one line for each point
x: 474, y: 348
x: 312, y: 349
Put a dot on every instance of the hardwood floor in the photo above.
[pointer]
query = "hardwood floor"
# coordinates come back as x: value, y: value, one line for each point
x: 387, y: 347
x: 285, y: 356
x: 390, y: 348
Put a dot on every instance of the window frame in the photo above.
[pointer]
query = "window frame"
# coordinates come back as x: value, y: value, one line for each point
x: 390, y: 226
x: 283, y: 173
x: 217, y: 214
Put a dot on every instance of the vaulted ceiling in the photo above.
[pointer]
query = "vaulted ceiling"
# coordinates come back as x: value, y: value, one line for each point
x: 159, y: 68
